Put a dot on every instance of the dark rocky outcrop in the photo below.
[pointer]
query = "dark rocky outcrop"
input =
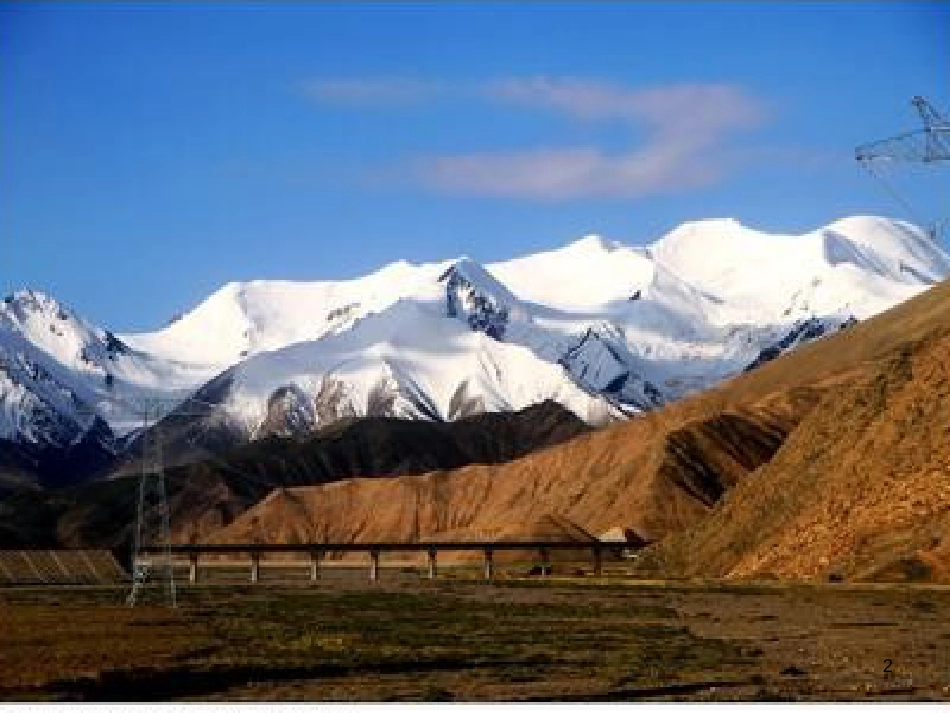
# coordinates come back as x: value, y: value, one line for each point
x: 212, y: 493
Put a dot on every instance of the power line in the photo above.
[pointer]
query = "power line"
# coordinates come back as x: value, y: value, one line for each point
x: 153, y: 519
x: 156, y: 520
x: 928, y: 145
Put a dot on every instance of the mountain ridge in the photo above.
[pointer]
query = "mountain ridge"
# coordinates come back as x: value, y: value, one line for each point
x: 208, y: 495
x: 832, y: 462
x: 605, y: 329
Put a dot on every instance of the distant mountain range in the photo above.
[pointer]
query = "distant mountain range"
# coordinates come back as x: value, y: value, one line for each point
x: 829, y: 463
x: 606, y: 330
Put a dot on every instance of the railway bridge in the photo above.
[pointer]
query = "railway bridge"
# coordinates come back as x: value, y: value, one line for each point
x: 316, y: 552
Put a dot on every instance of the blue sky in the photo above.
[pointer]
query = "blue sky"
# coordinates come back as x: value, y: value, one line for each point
x: 151, y: 152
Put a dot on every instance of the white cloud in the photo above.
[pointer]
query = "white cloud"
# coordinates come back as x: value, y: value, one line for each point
x: 573, y: 172
x: 673, y: 107
x: 687, y: 128
x: 687, y: 132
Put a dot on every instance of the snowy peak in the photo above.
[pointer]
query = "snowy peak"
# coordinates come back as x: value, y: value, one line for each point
x: 47, y: 427
x: 409, y: 361
x: 710, y: 248
x: 891, y: 248
x: 861, y: 265
x: 243, y: 319
x: 602, y: 328
x: 586, y: 274
x: 474, y: 296
x: 710, y: 253
x: 59, y: 332
x: 592, y: 244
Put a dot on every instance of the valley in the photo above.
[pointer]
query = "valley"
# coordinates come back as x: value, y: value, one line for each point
x: 437, y: 353
x: 827, y: 461
x: 411, y: 640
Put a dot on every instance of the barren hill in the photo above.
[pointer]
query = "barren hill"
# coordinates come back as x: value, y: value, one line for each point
x: 861, y: 489
x: 205, y: 496
x: 828, y: 458
x: 652, y: 475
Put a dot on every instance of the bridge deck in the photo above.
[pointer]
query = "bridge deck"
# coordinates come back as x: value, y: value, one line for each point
x: 322, y: 547
x: 317, y: 550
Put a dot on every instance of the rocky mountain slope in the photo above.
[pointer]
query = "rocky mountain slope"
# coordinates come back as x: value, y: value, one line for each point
x: 605, y: 330
x: 652, y: 475
x: 861, y: 489
x: 210, y: 494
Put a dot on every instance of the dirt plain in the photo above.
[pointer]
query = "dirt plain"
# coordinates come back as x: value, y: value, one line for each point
x: 407, y: 638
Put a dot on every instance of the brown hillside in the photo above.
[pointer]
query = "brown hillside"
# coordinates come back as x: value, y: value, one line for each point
x: 861, y: 489
x: 653, y: 475
x: 847, y: 438
x: 206, y: 496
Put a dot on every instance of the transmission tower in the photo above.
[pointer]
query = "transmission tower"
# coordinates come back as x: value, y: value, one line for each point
x: 152, y: 525
x: 153, y: 514
x: 929, y: 144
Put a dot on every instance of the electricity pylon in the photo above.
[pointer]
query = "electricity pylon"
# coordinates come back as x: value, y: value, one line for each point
x: 931, y: 143
x: 152, y: 525
x: 927, y: 145
x: 152, y: 518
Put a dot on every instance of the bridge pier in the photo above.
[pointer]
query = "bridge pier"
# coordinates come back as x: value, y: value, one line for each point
x: 433, y: 564
x: 316, y: 551
x: 255, y: 568
x: 489, y: 564
x: 314, y: 566
x: 598, y: 561
x: 374, y: 566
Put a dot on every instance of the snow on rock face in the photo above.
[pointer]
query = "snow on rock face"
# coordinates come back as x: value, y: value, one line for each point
x: 600, y: 327
x: 408, y: 361
x: 802, y: 332
x: 601, y: 361
x: 41, y: 412
x: 41, y: 343
x: 101, y: 374
x: 56, y: 330
x: 23, y: 414
x: 473, y: 295
x: 290, y: 412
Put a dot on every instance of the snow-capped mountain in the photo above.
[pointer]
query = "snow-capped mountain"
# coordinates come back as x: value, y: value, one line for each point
x: 605, y: 329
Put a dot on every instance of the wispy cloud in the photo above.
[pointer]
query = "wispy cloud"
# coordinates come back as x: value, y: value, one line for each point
x: 572, y: 172
x: 686, y: 130
x: 708, y: 106
x: 370, y: 91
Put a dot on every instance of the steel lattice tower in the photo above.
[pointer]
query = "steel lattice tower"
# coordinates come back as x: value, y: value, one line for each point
x: 927, y: 145
x: 152, y: 518
x: 152, y: 525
